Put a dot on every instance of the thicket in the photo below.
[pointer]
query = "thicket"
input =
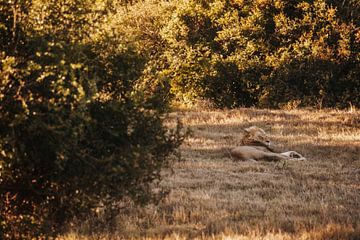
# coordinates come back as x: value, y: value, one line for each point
x: 267, y: 53
x: 74, y: 133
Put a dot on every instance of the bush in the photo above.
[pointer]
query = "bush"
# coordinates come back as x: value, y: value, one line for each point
x: 264, y: 53
x: 71, y: 134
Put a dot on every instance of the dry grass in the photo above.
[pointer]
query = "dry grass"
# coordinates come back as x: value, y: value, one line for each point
x: 214, y: 197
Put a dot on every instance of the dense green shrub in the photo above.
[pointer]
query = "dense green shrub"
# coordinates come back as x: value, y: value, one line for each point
x: 264, y: 53
x: 71, y: 134
x: 317, y: 67
x: 139, y: 25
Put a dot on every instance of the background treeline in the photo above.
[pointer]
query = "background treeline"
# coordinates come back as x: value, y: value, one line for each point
x: 267, y: 53
x: 84, y: 85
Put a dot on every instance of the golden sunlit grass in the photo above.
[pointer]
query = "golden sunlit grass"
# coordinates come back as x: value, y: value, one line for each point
x: 214, y: 197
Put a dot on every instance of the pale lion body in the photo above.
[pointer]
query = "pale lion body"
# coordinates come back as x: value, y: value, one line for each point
x: 256, y: 147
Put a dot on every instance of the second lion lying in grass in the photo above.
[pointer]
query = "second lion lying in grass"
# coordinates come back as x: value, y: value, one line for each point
x: 256, y: 146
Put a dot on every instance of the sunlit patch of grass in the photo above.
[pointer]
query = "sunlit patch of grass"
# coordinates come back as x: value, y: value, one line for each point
x: 214, y: 197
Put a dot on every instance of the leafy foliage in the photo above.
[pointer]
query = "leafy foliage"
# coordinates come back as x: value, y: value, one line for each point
x: 264, y: 53
x: 72, y: 135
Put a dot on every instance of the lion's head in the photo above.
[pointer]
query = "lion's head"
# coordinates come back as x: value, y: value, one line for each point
x: 255, y: 136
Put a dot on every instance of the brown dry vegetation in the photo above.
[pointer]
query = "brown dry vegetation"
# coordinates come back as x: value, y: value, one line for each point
x: 214, y: 197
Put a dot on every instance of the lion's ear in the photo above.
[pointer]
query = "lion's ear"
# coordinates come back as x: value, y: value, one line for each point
x: 248, y: 130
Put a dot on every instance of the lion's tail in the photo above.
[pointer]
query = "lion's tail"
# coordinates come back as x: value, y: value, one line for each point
x: 227, y: 151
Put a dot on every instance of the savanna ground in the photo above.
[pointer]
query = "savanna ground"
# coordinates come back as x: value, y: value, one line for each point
x: 214, y: 197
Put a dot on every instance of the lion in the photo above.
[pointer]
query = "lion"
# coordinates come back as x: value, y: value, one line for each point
x: 256, y: 146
